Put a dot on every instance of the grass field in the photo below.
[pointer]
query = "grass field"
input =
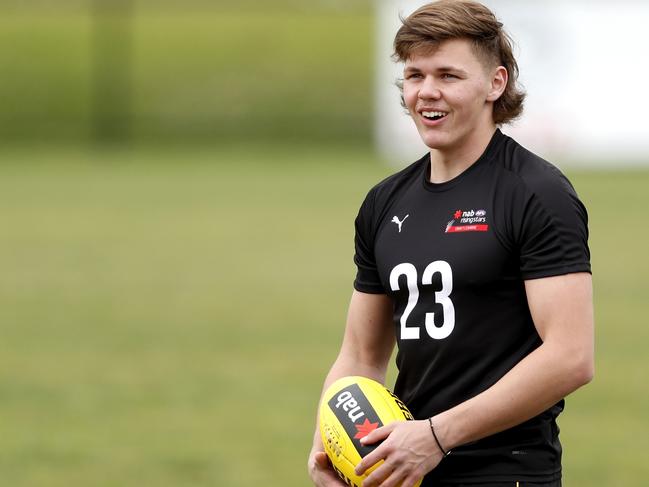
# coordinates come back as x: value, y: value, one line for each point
x: 167, y: 318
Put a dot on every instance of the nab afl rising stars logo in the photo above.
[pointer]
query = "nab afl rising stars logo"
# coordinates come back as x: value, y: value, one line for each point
x: 468, y: 221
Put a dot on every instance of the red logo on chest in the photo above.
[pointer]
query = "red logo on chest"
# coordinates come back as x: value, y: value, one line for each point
x: 468, y: 221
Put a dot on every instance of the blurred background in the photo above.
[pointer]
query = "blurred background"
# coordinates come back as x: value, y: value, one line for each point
x: 178, y: 183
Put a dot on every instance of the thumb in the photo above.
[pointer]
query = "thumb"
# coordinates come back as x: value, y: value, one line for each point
x: 321, y: 459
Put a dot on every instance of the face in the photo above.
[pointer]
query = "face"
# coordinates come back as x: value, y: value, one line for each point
x: 449, y: 93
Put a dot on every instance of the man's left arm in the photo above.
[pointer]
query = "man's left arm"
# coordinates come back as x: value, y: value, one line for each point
x: 562, y: 311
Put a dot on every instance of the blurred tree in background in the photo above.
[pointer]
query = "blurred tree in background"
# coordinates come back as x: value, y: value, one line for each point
x: 112, y: 78
x: 190, y: 72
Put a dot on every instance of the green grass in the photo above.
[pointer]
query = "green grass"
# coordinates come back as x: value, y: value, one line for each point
x: 167, y: 318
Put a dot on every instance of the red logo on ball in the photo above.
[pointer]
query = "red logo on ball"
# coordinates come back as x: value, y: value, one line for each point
x: 365, y: 429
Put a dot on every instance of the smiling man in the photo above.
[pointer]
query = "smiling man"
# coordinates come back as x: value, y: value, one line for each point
x: 474, y: 260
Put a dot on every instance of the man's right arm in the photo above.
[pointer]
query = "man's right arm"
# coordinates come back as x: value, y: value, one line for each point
x: 366, y: 350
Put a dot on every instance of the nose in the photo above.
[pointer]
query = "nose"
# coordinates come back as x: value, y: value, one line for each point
x: 429, y: 89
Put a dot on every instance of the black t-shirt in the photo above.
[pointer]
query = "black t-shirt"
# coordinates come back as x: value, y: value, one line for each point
x: 454, y: 257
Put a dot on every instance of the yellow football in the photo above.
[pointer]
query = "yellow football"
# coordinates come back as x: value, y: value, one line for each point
x: 351, y: 408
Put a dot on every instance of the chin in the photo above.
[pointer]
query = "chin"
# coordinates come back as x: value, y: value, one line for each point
x: 435, y: 141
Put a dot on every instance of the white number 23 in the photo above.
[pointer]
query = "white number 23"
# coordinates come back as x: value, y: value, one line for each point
x: 441, y: 297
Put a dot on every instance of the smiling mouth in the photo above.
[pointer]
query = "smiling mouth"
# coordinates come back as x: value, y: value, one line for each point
x: 433, y: 115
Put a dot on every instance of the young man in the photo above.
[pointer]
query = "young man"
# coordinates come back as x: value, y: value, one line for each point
x: 474, y: 260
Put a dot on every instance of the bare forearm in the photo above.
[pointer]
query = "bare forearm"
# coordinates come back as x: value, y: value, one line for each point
x: 540, y: 380
x: 367, y: 344
x: 344, y: 366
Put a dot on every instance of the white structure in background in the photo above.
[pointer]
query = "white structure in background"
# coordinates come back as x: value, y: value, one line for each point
x: 583, y: 63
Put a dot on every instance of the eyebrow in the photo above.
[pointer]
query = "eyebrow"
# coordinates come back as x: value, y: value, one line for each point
x: 451, y: 68
x: 441, y: 69
x: 411, y: 69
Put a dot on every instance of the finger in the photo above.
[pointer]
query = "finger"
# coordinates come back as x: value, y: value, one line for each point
x: 411, y: 480
x: 322, y: 464
x: 395, y: 479
x: 379, y: 452
x: 321, y: 459
x: 375, y: 456
x: 379, y: 475
x: 378, y: 434
x: 326, y: 477
x: 370, y: 459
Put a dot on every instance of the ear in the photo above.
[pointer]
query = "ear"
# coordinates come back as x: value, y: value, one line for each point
x: 499, y: 79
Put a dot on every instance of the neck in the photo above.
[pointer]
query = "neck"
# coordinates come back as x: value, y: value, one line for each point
x: 448, y: 163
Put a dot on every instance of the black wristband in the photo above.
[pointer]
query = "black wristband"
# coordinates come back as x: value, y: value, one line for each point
x: 432, y: 429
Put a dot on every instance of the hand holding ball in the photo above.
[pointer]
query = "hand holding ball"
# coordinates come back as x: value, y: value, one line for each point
x: 351, y: 408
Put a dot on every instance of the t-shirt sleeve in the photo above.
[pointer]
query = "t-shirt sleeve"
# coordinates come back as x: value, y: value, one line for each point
x: 553, y: 225
x: 367, y: 276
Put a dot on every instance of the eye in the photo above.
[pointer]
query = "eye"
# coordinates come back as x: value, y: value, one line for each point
x: 449, y: 76
x: 414, y: 76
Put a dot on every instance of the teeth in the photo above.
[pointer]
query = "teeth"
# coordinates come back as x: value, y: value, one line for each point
x: 433, y: 114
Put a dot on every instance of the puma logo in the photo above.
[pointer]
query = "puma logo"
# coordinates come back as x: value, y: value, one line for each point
x: 399, y: 223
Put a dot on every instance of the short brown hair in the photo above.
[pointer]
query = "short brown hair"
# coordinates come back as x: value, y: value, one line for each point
x: 439, y: 21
